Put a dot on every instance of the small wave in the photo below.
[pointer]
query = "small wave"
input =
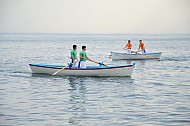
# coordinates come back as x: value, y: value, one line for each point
x: 175, y: 59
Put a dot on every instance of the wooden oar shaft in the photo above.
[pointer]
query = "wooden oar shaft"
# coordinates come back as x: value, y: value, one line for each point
x: 59, y: 71
x: 97, y: 62
x: 147, y: 56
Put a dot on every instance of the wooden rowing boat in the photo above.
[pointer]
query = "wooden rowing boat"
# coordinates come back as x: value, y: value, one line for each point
x: 124, y: 70
x: 135, y: 56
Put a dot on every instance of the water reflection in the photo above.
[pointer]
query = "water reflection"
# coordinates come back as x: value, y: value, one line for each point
x: 140, y: 63
x: 128, y: 61
x: 77, y: 91
x: 83, y: 96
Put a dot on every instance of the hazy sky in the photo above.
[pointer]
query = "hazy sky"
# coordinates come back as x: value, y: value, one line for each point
x: 95, y: 16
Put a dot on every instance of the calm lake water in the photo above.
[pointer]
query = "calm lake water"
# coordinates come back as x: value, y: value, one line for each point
x: 158, y: 93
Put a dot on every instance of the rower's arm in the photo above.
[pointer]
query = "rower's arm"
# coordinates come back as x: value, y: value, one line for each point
x: 139, y: 48
x: 125, y: 46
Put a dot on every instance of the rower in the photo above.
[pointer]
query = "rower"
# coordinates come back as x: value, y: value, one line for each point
x: 83, y: 58
x: 74, y: 59
x: 128, y: 46
x: 141, y: 47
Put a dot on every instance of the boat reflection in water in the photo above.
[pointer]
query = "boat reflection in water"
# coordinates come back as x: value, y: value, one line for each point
x: 77, y: 91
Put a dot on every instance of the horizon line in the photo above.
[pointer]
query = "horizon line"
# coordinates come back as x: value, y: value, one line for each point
x: 59, y: 33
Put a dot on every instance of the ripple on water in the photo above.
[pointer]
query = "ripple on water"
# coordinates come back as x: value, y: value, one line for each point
x: 157, y: 93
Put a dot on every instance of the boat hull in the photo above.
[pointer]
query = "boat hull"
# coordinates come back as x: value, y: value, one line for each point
x: 135, y: 56
x: 89, y: 71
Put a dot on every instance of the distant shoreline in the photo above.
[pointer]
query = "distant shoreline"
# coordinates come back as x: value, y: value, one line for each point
x: 41, y: 33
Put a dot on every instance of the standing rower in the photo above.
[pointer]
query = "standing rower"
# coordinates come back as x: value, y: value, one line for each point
x: 83, y: 58
x: 74, y: 59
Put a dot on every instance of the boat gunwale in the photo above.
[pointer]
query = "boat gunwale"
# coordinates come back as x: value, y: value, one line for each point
x: 148, y: 53
x: 102, y: 68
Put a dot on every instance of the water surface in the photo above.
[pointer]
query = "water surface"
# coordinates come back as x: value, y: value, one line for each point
x: 157, y: 93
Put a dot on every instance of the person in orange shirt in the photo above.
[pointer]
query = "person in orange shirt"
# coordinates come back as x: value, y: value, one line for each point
x: 141, y: 47
x: 128, y: 46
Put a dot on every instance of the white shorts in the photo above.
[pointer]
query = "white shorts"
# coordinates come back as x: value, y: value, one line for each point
x: 82, y: 64
x: 76, y: 64
x: 129, y: 51
x: 142, y: 51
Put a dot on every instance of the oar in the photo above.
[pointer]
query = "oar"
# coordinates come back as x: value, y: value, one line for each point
x: 59, y: 70
x: 134, y: 51
x: 147, y: 56
x: 98, y: 62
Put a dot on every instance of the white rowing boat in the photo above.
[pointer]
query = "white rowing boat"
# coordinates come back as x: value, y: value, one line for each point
x: 125, y: 70
x: 135, y: 56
